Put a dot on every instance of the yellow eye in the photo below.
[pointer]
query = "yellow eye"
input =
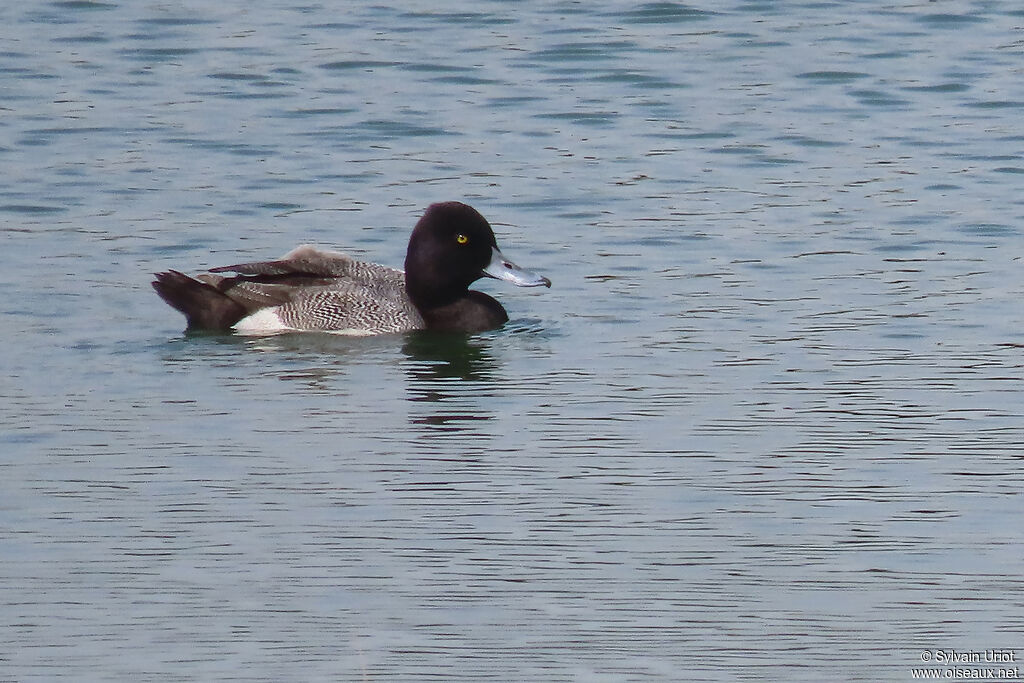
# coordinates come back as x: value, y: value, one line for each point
x: 461, y: 239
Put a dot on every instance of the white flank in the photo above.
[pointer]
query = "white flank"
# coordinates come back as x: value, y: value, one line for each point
x: 266, y: 321
x: 263, y: 321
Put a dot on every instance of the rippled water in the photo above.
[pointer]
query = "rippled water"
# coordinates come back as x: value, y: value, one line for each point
x: 767, y: 425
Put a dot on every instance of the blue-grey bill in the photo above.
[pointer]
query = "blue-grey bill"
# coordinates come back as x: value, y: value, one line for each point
x: 503, y: 269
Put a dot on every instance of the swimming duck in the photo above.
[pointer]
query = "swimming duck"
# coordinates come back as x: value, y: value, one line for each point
x: 310, y: 289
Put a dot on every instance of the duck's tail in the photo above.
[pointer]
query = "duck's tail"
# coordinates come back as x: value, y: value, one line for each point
x: 205, y: 307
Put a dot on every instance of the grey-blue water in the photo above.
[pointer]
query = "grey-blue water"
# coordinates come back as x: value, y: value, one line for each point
x: 768, y: 424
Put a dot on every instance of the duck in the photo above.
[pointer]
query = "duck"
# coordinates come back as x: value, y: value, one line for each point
x: 310, y: 289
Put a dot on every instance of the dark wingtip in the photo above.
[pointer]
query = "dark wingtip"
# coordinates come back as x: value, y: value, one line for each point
x: 167, y: 281
x: 203, y: 306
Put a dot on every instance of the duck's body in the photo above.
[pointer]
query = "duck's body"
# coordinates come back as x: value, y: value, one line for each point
x: 305, y: 290
x: 310, y: 289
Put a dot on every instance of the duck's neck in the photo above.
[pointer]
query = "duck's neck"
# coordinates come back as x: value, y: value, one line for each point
x: 472, y: 312
x: 424, y: 293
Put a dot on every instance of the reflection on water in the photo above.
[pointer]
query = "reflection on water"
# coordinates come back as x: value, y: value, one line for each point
x: 439, y: 358
x: 436, y: 363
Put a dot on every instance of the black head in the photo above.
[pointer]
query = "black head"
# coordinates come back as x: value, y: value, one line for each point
x: 452, y: 246
x: 448, y: 251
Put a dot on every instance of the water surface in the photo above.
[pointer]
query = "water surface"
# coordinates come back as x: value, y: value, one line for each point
x: 766, y: 425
